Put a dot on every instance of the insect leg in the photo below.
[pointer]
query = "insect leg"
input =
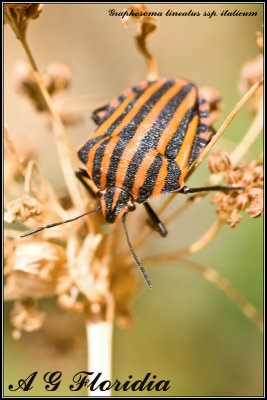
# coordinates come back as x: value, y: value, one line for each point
x: 95, y: 117
x: 186, y: 189
x: 155, y: 221
x: 81, y: 174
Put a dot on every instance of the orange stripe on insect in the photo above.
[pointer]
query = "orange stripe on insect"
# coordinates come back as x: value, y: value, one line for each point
x: 115, y: 198
x: 142, y: 130
x: 140, y: 176
x: 138, y: 105
x: 170, y: 130
x: 184, y: 152
x: 123, y: 211
x: 91, y: 156
x: 161, y: 178
x: 104, y: 127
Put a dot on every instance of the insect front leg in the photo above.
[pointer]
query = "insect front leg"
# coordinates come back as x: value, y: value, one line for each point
x: 155, y: 221
x: 81, y: 174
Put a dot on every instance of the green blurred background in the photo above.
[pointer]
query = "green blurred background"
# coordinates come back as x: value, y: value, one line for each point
x: 185, y: 330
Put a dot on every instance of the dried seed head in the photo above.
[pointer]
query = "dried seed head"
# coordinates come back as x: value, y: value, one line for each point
x: 38, y: 268
x: 19, y: 15
x: 256, y: 208
x: 258, y: 172
x: 217, y: 198
x: 34, y: 10
x: 250, y: 200
x: 22, y: 208
x: 242, y: 201
x: 25, y: 316
x: 222, y: 212
x: 252, y: 72
x: 39, y: 258
x: 247, y: 177
x: 255, y: 192
x: 233, y: 177
x: 219, y: 162
x: 57, y: 77
x: 234, y: 219
x: 26, y: 84
x: 9, y: 247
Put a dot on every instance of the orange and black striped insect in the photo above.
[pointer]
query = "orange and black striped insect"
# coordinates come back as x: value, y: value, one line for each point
x: 145, y: 142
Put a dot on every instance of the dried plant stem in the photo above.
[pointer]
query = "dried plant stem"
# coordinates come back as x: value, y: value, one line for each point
x: 13, y: 151
x: 63, y: 143
x: 152, y: 74
x: 221, y: 283
x: 191, y: 249
x: 249, y: 138
x: 189, y: 201
x: 99, y: 339
x: 216, y: 279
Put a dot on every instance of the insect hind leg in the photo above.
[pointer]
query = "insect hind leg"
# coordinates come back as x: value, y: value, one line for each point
x: 155, y: 221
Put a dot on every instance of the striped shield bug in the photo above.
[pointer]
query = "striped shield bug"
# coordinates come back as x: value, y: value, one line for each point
x: 144, y: 144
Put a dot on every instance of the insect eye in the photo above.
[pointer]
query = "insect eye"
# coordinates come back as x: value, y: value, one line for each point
x: 131, y: 206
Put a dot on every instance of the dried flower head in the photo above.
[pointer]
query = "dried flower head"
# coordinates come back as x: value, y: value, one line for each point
x: 219, y: 162
x: 18, y: 16
x: 252, y: 72
x: 26, y: 84
x: 25, y: 316
x: 57, y: 77
x: 79, y: 269
x: 231, y: 203
x: 256, y: 207
x: 22, y: 208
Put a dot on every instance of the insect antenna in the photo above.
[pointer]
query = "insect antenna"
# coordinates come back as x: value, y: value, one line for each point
x: 58, y: 223
x: 138, y: 262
